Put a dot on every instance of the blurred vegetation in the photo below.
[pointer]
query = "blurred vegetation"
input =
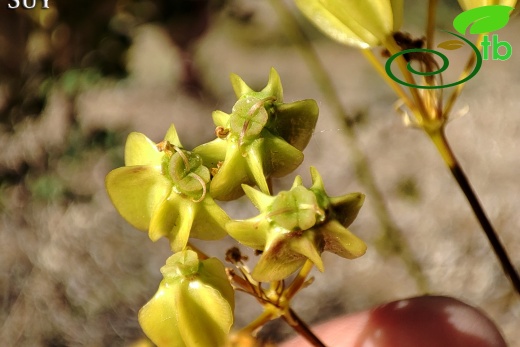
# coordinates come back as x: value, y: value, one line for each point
x: 73, y: 273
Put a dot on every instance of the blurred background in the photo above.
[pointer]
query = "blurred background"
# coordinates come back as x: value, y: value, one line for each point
x: 76, y: 78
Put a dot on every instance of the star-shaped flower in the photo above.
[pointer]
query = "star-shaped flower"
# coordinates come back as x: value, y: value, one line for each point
x: 163, y: 190
x: 296, y: 225
x: 262, y: 137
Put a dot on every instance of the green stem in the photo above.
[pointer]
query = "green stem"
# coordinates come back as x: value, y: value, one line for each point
x: 442, y: 145
x: 299, y: 280
x: 390, y: 231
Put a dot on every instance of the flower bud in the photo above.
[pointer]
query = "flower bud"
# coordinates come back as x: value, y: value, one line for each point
x: 362, y: 24
x: 193, y: 305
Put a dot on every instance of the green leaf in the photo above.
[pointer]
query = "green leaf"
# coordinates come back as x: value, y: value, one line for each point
x: 485, y: 19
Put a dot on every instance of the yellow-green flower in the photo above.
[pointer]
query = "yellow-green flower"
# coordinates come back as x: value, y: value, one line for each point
x: 163, y: 190
x: 193, y: 305
x: 362, y: 24
x: 262, y: 137
x: 297, y: 225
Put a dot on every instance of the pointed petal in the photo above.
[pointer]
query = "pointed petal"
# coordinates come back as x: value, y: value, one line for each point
x: 220, y: 118
x: 341, y: 241
x: 136, y: 191
x: 277, y: 262
x: 212, y: 152
x: 165, y: 217
x: 255, y: 159
x: 181, y: 232
x: 210, y: 221
x: 239, y: 86
x: 310, y: 246
x: 295, y: 122
x: 346, y: 207
x: 260, y: 200
x: 274, y: 86
x: 284, y: 158
x: 172, y: 137
x: 317, y: 181
x: 251, y: 232
x: 140, y: 150
x: 226, y: 184
x: 297, y: 182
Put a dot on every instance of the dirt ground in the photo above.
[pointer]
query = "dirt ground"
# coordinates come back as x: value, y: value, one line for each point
x: 74, y: 273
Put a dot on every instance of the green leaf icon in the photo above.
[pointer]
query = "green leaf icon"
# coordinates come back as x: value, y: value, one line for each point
x: 451, y: 45
x: 484, y: 19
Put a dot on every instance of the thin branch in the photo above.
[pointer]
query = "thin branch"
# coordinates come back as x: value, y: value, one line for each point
x: 303, y: 329
x: 458, y: 88
x: 440, y: 141
x: 430, y: 26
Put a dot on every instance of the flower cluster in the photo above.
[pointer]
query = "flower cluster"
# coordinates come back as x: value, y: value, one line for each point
x: 169, y: 191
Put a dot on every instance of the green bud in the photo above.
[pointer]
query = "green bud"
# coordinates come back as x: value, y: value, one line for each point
x: 193, y: 305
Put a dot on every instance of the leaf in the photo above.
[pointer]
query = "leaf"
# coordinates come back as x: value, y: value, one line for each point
x: 485, y: 19
x: 451, y: 45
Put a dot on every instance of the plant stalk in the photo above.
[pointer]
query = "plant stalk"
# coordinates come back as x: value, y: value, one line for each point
x: 442, y: 145
x: 301, y: 328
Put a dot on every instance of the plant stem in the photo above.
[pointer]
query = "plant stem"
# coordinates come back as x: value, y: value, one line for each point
x: 458, y: 88
x: 442, y: 145
x: 391, y: 233
x: 303, y: 329
x: 430, y: 26
x: 299, y: 280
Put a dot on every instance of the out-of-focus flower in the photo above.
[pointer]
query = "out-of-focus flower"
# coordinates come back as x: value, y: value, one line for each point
x: 262, y: 137
x: 362, y: 24
x: 470, y: 4
x: 163, y: 190
x: 297, y: 225
x: 193, y: 305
